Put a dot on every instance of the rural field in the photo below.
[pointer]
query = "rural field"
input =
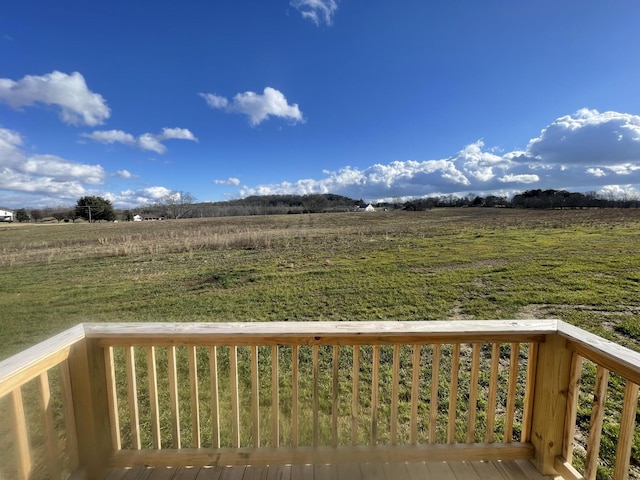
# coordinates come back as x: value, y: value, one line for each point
x: 582, y: 266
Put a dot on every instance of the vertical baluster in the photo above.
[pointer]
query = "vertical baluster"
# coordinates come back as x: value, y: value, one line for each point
x: 69, y: 416
x: 532, y: 363
x: 154, y: 410
x: 375, y: 380
x: 215, y: 404
x: 572, y: 407
x: 395, y: 388
x: 173, y: 397
x: 132, y: 388
x: 627, y: 428
x: 255, y: 397
x: 314, y: 407
x: 354, y: 395
x: 595, y: 427
x: 235, y: 400
x: 453, y: 393
x: 493, y: 393
x: 195, y: 396
x: 112, y: 398
x: 50, y: 437
x: 23, y: 455
x: 415, y: 394
x: 473, y: 393
x: 433, y: 405
x: 275, y: 398
x: 511, y: 392
x: 334, y: 399
x: 294, y: 395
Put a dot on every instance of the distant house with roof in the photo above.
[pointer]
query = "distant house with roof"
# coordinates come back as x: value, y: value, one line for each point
x: 6, y: 215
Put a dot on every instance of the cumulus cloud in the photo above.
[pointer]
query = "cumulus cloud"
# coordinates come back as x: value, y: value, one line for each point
x: 146, y: 141
x: 258, y: 107
x: 132, y: 198
x: 317, y: 11
x: 125, y: 174
x: 574, y: 152
x: 42, y: 174
x: 78, y: 105
x: 228, y: 181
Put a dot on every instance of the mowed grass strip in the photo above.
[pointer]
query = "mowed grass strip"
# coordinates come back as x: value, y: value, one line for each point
x: 579, y: 265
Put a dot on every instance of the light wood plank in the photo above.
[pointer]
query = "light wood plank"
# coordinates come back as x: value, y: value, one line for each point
x: 433, y: 404
x: 294, y: 395
x: 154, y: 409
x: 453, y: 393
x: 132, y: 395
x: 324, y: 454
x: 440, y: 470
x: 235, y: 397
x: 50, y: 436
x: 173, y: 397
x: 275, y: 398
x: 375, y: 383
x: 627, y: 429
x: 30, y: 363
x: 321, y: 333
x: 529, y: 389
x: 255, y: 397
x: 195, y: 396
x: 215, y: 404
x: 597, y: 418
x: 394, y: 470
x: 511, y: 392
x: 322, y: 472
x: 415, y: 395
x: 572, y: 407
x: 335, y: 392
x: 464, y: 471
x: 349, y: 471
x: 493, y: 393
x: 71, y: 444
x: 395, y: 388
x: 112, y: 398
x: 315, y: 395
x: 473, y: 393
x: 355, y: 395
x: 20, y: 435
x: 550, y: 401
x: 417, y: 470
x: 612, y: 356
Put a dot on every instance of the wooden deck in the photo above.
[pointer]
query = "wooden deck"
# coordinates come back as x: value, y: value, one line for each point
x: 510, y: 470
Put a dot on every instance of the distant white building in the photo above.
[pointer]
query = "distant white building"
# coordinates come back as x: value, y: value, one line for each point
x: 369, y: 208
x: 137, y: 218
x: 6, y: 216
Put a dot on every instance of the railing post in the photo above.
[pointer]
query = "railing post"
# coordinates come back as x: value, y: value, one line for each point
x: 550, y: 401
x: 89, y: 387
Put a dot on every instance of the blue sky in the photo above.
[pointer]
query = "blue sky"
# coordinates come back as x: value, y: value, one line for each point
x: 374, y: 100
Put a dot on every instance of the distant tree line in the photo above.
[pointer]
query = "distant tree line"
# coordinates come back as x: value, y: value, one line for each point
x: 183, y: 205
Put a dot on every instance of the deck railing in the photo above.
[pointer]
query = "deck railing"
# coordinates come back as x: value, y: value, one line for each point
x: 101, y: 396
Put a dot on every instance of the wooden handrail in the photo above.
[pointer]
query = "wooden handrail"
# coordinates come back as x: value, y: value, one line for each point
x: 103, y: 368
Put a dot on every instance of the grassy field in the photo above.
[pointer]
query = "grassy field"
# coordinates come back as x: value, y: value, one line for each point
x: 582, y: 266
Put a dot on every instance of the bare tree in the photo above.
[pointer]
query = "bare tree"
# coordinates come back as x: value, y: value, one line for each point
x: 177, y: 204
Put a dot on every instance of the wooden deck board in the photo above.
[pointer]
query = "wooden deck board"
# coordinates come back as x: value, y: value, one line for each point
x: 511, y: 470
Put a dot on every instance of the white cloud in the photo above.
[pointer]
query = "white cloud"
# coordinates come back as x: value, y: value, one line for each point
x: 316, y: 10
x: 589, y: 138
x: 258, y: 107
x: 125, y: 174
x: 111, y: 136
x: 228, y: 181
x: 574, y: 152
x: 524, y: 178
x: 215, y: 101
x: 42, y: 174
x: 78, y: 104
x: 146, y: 141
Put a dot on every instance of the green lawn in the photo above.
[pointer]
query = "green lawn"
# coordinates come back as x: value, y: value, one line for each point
x: 581, y: 266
